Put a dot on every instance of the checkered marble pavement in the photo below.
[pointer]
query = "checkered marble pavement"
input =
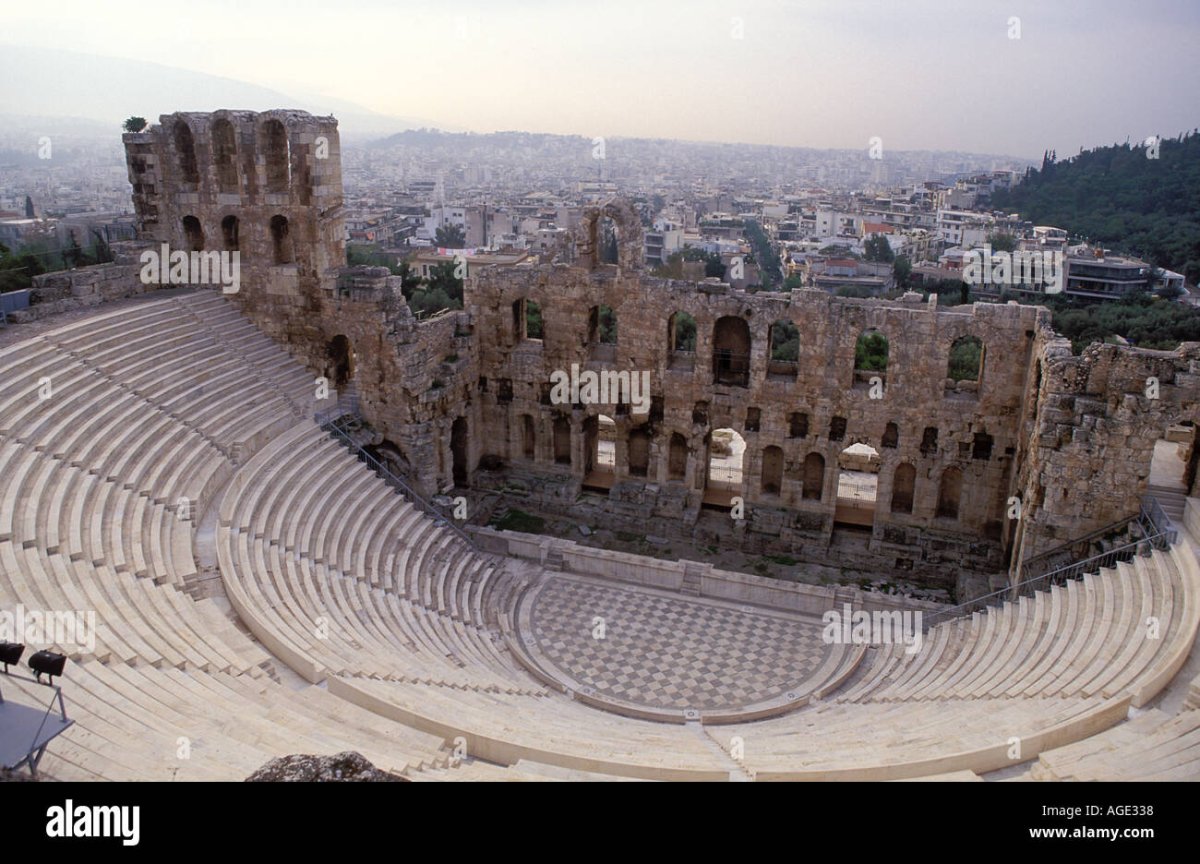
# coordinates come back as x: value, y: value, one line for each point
x: 668, y: 651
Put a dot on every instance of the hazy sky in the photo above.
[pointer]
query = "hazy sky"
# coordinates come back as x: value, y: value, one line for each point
x: 920, y: 74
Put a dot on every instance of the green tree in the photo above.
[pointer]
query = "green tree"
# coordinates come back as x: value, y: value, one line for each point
x: 442, y: 278
x: 877, y: 248
x: 1002, y: 241
x: 450, y: 237
x: 134, y: 124
x: 871, y: 352
x: 902, y: 270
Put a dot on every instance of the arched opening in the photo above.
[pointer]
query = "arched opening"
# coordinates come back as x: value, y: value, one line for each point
x: 185, y: 150
x: 814, y: 477
x: 224, y: 147
x: 562, y: 440
x: 599, y: 452
x: 772, y: 470
x: 681, y: 339
x: 964, y: 370
x: 870, y: 358
x: 677, y: 458
x: 602, y: 333
x: 783, y: 354
x: 281, y: 240
x: 731, y: 351
x: 528, y: 437
x: 229, y: 233
x: 949, y: 493
x: 458, y: 451
x: 277, y: 156
x: 891, y: 436
x: 723, y: 480
x: 904, y: 482
x: 639, y: 452
x: 341, y: 361
x: 858, y: 484
x: 608, y: 238
x: 193, y: 234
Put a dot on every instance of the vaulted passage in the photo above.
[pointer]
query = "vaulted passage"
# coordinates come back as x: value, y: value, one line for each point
x: 726, y: 450
x: 278, y: 162
x: 858, y: 483
x: 341, y: 362
x: 600, y: 452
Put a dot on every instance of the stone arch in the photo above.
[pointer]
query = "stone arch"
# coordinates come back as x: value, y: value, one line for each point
x: 224, y: 150
x: 629, y: 235
x: 964, y: 366
x: 871, y: 351
x: 281, y: 240
x: 949, y: 493
x: 562, y: 440
x: 340, y: 355
x: 677, y: 457
x: 185, y: 152
x: 276, y: 156
x: 230, y: 230
x: 731, y: 351
x: 772, y: 470
x: 783, y: 349
x: 193, y: 234
x: 904, y: 481
x: 814, y: 476
x: 638, y: 452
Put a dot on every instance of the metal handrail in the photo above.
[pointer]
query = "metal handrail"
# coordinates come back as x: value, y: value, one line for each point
x: 1160, y: 541
x: 329, y: 424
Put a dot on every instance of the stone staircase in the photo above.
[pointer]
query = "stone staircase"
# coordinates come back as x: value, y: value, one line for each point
x: 1172, y: 502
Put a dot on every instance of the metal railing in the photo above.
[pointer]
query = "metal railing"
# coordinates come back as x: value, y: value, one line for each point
x: 1161, y: 534
x: 330, y: 424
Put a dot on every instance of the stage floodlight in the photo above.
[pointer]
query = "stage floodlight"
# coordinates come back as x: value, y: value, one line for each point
x: 48, y: 663
x: 10, y: 654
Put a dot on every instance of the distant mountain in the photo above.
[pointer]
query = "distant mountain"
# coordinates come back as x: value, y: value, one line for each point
x: 57, y: 83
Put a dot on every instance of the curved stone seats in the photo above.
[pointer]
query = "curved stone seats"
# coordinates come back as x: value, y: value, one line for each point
x: 137, y: 722
x: 506, y: 728
x: 311, y: 585
x: 1151, y: 746
x: 525, y: 771
x: 1089, y: 638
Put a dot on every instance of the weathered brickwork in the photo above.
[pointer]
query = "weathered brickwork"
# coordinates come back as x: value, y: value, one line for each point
x: 466, y: 399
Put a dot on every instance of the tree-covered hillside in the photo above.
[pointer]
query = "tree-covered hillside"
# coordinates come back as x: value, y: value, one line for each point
x: 1122, y: 198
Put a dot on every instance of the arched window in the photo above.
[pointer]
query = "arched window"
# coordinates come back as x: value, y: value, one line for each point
x: 278, y: 162
x: 677, y: 458
x: 870, y: 357
x: 185, y: 150
x: 784, y: 350
x: 281, y: 241
x: 529, y: 437
x: 229, y: 232
x: 562, y: 440
x: 904, y: 481
x: 731, y: 351
x: 772, y: 470
x: 639, y: 452
x: 964, y: 370
x: 224, y: 147
x: 949, y: 492
x: 814, y: 476
x: 193, y: 234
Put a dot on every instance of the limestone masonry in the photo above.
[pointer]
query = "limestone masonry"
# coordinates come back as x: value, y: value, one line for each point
x: 464, y: 398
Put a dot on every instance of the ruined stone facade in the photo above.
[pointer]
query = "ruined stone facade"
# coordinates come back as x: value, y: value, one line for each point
x: 466, y: 397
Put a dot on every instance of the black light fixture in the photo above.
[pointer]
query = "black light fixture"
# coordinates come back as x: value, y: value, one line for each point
x: 48, y: 663
x: 10, y: 654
